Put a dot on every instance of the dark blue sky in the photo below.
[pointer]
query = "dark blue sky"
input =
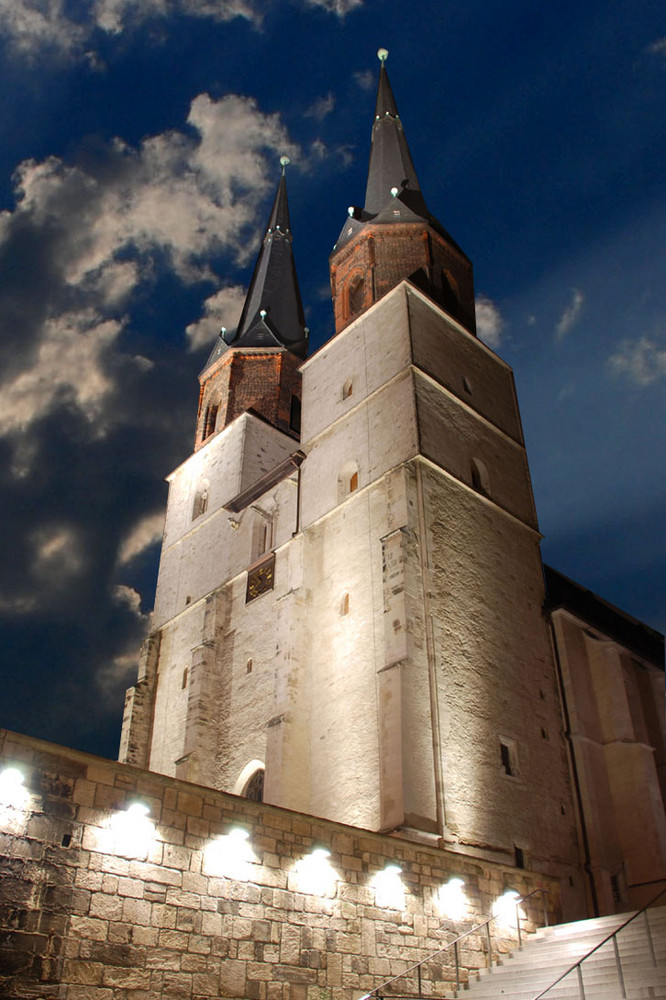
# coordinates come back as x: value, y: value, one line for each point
x: 141, y: 141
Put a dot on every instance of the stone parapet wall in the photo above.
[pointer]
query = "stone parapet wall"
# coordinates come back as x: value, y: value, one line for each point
x: 87, y: 916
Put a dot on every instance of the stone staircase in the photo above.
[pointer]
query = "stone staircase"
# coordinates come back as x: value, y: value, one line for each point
x: 553, y: 950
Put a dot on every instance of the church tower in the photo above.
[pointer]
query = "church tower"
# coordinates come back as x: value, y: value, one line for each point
x: 351, y: 622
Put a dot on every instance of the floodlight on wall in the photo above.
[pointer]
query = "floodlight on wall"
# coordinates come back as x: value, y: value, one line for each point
x: 14, y: 798
x: 452, y: 900
x: 129, y: 833
x: 389, y: 890
x: 230, y: 856
x: 505, y: 909
x: 315, y: 874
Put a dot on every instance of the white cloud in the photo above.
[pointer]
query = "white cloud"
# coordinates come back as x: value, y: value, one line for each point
x: 174, y: 201
x: 67, y: 367
x: 34, y: 27
x: 339, y: 7
x: 570, y: 315
x: 489, y: 321
x: 57, y: 27
x: 222, y: 309
x: 58, y: 553
x: 642, y: 361
x: 320, y: 108
x: 147, y: 532
x: 121, y: 671
x: 366, y: 79
x: 657, y: 48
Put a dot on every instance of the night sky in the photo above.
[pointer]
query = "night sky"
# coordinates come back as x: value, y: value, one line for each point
x: 139, y: 157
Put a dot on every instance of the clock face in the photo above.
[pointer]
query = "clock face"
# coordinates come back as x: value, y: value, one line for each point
x: 260, y: 579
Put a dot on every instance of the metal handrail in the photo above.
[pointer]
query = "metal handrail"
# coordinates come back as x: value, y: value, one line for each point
x: 577, y: 965
x: 454, y: 944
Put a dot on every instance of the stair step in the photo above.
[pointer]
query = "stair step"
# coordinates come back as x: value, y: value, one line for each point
x: 553, y: 950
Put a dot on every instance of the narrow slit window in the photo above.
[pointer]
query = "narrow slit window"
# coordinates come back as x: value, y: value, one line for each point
x: 356, y: 294
x: 344, y: 605
x: 353, y: 482
x: 211, y: 420
x: 480, y: 477
x: 507, y: 758
x: 347, y: 389
x: 295, y: 415
x: 183, y: 683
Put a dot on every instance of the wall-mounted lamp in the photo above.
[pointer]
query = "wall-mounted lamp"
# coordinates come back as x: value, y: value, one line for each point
x: 389, y: 890
x: 230, y: 855
x: 452, y: 900
x: 14, y: 799
x: 129, y: 833
x: 504, y: 909
x: 315, y: 873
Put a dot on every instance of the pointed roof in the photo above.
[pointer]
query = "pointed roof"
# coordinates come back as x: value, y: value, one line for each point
x: 273, y: 312
x: 393, y: 193
x: 391, y: 165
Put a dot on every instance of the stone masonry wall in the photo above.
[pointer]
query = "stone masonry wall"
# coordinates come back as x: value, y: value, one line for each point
x: 87, y: 917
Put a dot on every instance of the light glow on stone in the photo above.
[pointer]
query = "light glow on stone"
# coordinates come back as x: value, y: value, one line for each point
x: 129, y: 833
x: 315, y: 873
x: 389, y: 890
x: 14, y: 799
x: 504, y: 909
x: 452, y: 900
x: 230, y: 856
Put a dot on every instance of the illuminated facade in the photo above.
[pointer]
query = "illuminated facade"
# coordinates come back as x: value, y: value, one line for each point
x: 349, y: 619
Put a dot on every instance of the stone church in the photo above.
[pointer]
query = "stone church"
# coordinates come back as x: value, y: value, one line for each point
x: 355, y: 644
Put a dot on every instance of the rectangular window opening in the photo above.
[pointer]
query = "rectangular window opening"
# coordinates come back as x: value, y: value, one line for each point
x: 507, y: 759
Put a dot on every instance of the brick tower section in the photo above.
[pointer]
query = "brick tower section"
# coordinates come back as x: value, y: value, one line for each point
x: 265, y: 381
x: 381, y: 256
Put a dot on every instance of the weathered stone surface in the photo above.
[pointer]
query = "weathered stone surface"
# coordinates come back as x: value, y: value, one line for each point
x: 195, y: 935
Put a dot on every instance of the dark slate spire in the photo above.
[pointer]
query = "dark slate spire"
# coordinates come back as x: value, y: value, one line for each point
x: 273, y: 312
x: 391, y: 164
x: 393, y: 193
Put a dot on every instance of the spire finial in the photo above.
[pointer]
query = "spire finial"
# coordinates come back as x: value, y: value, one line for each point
x: 284, y: 162
x: 382, y: 55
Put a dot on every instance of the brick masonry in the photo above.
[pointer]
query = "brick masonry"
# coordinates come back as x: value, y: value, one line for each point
x: 81, y: 920
x: 263, y: 381
x: 381, y: 256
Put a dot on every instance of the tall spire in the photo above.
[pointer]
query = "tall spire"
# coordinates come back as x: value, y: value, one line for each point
x: 273, y: 312
x: 391, y: 168
x: 395, y: 237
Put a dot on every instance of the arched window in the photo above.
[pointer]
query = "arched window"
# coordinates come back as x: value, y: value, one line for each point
x: 200, y: 505
x: 211, y: 419
x: 450, y: 292
x: 347, y: 389
x: 344, y: 605
x: 254, y: 789
x: 480, y: 477
x: 262, y: 535
x: 356, y: 293
x: 348, y: 480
